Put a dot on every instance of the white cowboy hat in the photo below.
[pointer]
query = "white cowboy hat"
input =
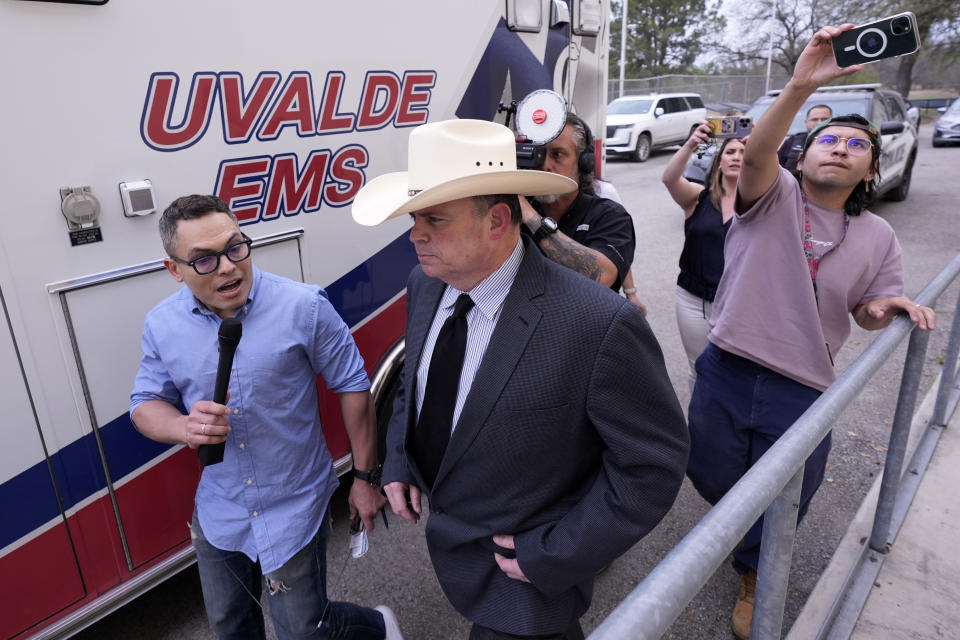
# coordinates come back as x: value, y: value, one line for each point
x: 450, y: 160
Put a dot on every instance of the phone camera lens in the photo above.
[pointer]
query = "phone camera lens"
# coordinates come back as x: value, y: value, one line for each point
x: 900, y: 26
x: 871, y: 43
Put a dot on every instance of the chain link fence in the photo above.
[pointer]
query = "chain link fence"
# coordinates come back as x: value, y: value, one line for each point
x: 717, y: 90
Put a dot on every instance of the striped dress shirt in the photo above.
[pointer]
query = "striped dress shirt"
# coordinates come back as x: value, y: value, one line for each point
x: 488, y: 297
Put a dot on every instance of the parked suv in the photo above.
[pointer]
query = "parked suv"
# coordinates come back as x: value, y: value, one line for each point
x: 883, y: 107
x: 637, y: 124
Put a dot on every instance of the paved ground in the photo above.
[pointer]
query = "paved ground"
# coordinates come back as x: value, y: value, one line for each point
x: 918, y: 589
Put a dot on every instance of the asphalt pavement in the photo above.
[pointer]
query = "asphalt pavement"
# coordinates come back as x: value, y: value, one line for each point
x: 397, y: 570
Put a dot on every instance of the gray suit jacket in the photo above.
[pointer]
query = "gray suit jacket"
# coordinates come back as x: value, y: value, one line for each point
x: 571, y: 439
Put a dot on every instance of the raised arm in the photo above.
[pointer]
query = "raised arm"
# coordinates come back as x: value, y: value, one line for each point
x: 683, y: 191
x: 815, y: 67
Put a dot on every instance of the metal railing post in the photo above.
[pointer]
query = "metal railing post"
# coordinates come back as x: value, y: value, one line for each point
x: 647, y: 612
x: 776, y: 552
x: 949, y: 375
x: 899, y: 435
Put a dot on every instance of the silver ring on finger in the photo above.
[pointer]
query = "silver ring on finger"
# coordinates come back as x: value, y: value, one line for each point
x: 203, y: 428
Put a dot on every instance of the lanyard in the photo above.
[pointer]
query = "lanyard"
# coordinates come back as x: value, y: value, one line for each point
x: 813, y: 262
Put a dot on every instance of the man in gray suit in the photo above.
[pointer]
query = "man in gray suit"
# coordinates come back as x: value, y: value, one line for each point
x: 550, y: 440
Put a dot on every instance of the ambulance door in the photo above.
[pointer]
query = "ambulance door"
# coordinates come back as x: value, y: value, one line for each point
x: 37, y: 561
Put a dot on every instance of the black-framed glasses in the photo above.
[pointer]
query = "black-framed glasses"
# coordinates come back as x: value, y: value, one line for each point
x: 855, y: 146
x: 211, y: 262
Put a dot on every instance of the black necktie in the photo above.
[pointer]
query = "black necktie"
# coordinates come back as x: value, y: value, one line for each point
x: 440, y: 397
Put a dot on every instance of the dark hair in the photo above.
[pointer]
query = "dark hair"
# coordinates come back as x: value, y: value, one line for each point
x: 484, y: 202
x: 714, y: 179
x: 819, y: 106
x: 860, y: 198
x: 584, y: 180
x: 188, y: 208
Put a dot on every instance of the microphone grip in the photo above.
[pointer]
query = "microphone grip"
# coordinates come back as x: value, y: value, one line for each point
x: 213, y: 453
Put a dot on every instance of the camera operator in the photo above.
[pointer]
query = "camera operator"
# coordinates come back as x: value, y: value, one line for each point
x: 580, y: 230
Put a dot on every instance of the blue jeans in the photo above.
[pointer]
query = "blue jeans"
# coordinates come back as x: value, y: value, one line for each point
x: 738, y: 410
x: 297, y: 593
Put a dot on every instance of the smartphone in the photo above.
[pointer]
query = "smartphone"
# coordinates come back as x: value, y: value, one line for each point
x: 887, y: 38
x: 730, y: 127
x: 359, y: 542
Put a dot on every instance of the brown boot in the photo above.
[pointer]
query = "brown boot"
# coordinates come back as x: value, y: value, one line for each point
x: 743, y: 612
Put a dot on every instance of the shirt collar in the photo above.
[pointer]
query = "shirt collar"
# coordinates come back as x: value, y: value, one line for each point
x: 489, y: 294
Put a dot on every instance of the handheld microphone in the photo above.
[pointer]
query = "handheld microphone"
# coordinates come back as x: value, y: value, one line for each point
x: 229, y: 335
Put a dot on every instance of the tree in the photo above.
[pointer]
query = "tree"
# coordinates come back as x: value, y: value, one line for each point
x: 664, y: 36
x: 939, y: 19
x: 795, y: 21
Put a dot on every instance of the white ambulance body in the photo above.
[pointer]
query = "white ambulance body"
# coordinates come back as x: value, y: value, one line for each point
x: 112, y: 109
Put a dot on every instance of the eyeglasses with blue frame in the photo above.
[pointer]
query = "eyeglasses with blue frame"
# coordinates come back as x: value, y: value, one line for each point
x: 204, y: 265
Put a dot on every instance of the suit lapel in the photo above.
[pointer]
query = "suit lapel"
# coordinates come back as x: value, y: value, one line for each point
x: 423, y: 305
x: 517, y: 322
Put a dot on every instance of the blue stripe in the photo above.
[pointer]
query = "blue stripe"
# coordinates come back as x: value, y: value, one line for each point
x: 28, y: 499
x: 372, y: 284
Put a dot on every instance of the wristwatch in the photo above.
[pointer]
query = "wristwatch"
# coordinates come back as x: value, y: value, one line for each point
x: 372, y: 476
x: 548, y: 226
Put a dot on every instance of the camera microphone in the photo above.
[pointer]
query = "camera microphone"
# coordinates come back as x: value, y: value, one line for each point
x: 229, y: 338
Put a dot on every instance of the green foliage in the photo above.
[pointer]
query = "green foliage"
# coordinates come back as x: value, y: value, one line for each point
x: 663, y: 36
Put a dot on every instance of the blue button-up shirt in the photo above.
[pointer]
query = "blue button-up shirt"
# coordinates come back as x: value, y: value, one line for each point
x: 268, y: 496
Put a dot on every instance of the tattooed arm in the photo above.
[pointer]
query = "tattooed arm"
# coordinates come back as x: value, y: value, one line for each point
x: 563, y: 249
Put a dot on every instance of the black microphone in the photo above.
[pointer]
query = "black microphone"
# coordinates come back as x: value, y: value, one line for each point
x: 230, y: 332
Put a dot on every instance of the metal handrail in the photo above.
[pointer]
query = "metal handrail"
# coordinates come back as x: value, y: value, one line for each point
x: 655, y: 603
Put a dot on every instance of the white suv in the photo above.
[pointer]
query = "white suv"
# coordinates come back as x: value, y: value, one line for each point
x: 637, y: 124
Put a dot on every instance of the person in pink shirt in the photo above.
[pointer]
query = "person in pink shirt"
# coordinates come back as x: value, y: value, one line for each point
x: 800, y: 258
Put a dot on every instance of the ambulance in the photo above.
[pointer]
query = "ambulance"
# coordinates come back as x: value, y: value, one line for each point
x: 113, y: 108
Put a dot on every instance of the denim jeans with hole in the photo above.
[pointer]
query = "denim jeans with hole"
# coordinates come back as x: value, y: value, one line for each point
x: 296, y: 592
x: 738, y: 410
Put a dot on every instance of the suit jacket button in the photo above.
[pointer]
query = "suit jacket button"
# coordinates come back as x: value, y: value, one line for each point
x: 437, y: 510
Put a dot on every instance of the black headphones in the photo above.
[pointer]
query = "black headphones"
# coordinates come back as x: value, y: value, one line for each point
x: 587, y: 161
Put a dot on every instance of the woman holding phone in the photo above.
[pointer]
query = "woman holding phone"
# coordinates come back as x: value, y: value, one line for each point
x: 707, y: 211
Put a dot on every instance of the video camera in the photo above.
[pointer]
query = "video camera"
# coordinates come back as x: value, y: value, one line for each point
x: 540, y: 117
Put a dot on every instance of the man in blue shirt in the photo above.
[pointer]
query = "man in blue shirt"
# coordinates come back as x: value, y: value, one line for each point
x: 263, y: 509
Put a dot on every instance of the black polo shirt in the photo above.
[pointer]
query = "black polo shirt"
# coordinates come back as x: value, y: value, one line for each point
x: 602, y: 225
x: 790, y: 151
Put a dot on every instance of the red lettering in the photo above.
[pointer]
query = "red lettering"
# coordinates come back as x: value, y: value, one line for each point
x: 292, y: 191
x: 241, y: 182
x: 156, y: 127
x: 416, y: 91
x: 378, y: 85
x: 330, y: 120
x: 293, y: 107
x: 242, y: 113
x: 346, y: 172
